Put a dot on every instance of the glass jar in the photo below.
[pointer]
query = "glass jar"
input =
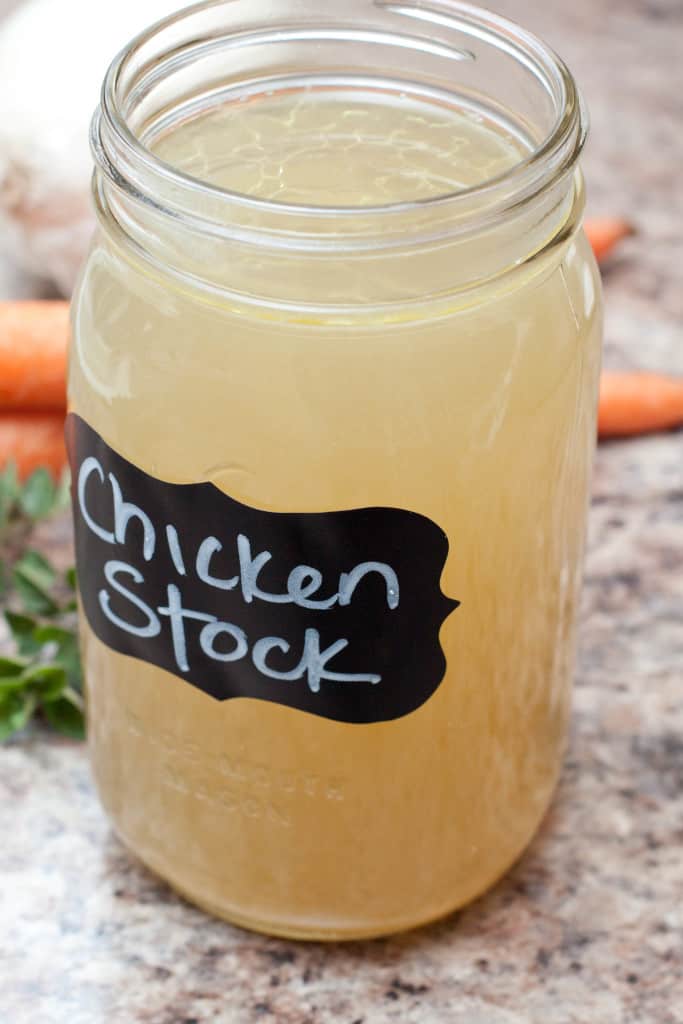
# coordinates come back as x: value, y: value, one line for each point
x: 332, y: 413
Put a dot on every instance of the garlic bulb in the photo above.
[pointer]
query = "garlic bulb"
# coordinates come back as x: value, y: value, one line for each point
x: 53, y: 56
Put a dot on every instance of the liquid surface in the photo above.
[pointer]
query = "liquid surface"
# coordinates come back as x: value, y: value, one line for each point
x: 340, y: 150
x: 482, y: 420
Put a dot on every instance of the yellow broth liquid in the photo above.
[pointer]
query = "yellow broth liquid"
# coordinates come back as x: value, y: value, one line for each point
x: 480, y: 417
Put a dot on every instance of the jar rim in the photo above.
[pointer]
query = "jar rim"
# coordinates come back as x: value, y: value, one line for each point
x: 125, y: 160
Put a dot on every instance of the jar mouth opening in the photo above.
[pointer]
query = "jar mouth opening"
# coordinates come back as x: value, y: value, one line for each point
x: 444, y: 30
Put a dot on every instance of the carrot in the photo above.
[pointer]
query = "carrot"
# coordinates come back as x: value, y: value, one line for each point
x: 604, y: 233
x: 33, y: 343
x: 639, y: 403
x: 32, y: 440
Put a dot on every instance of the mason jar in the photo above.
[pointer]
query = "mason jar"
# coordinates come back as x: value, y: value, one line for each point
x: 332, y: 389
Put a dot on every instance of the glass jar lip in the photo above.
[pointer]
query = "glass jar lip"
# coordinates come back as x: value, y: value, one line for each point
x: 553, y: 156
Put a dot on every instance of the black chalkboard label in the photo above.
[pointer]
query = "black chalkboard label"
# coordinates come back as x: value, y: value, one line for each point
x: 334, y: 613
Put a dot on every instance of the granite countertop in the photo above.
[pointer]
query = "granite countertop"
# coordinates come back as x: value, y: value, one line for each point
x: 588, y: 928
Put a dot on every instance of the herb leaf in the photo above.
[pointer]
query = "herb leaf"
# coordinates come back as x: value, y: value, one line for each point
x: 66, y: 717
x: 16, y: 710
x: 47, y: 682
x: 45, y: 675
x: 36, y: 568
x: 63, y: 492
x: 9, y: 492
x: 10, y: 684
x: 63, y: 650
x: 33, y: 576
x: 10, y: 667
x: 38, y: 495
x: 21, y: 627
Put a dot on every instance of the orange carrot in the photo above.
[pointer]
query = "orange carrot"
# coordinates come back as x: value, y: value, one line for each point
x: 639, y: 403
x: 33, y: 343
x: 604, y: 233
x: 31, y: 440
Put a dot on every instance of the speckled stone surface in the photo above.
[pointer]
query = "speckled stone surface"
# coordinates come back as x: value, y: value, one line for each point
x: 588, y: 928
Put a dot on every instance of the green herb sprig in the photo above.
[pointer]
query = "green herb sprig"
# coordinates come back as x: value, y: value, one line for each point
x: 42, y: 677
